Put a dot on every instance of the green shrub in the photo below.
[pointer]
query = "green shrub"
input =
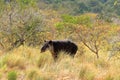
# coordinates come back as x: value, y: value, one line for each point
x: 12, y: 75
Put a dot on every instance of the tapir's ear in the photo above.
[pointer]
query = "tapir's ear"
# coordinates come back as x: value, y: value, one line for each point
x: 50, y: 42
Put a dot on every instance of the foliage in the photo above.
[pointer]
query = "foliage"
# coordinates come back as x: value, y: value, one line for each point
x: 69, y: 24
x: 85, y: 20
x: 2, y: 6
x: 114, y: 44
x: 91, y: 34
x: 93, y: 38
x: 12, y: 75
x: 69, y: 19
x: 108, y: 7
x: 23, y: 26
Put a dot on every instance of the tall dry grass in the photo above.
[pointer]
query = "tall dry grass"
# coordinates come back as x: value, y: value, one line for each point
x: 30, y: 64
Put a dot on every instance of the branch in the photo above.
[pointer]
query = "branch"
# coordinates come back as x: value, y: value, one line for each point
x: 88, y: 47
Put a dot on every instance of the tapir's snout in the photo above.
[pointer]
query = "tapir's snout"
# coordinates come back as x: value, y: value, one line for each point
x: 42, y: 50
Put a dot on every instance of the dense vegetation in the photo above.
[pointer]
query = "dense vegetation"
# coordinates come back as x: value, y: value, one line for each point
x: 94, y: 25
x: 76, y: 7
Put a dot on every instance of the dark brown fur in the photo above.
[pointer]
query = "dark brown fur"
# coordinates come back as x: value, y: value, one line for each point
x: 56, y: 46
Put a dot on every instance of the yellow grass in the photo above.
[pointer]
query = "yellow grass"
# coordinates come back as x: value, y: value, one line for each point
x: 30, y: 64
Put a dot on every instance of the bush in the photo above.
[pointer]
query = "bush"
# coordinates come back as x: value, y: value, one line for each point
x: 12, y: 75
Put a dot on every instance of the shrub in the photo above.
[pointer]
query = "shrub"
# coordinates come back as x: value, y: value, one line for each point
x: 12, y: 75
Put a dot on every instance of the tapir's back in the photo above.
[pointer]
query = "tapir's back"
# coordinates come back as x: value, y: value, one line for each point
x: 66, y: 46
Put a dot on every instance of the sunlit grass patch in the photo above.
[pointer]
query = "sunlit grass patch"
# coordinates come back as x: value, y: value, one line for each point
x: 31, y: 75
x: 86, y: 74
x: 101, y: 63
x: 2, y: 61
x: 27, y: 52
x: 33, y: 65
x: 14, y: 60
x: 45, y: 58
x: 117, y: 77
x: 0, y: 76
x: 109, y: 77
x: 37, y: 74
x: 64, y: 55
x: 63, y: 62
x: 82, y: 72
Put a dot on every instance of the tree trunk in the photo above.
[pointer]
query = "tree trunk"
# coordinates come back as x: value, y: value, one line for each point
x: 97, y: 55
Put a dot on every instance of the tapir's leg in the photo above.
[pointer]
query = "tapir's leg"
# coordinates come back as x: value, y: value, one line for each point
x: 54, y: 55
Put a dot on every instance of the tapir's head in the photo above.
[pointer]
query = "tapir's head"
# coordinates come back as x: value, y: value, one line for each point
x: 47, y: 45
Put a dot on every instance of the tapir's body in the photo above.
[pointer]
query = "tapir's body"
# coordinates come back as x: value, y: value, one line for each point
x: 56, y: 46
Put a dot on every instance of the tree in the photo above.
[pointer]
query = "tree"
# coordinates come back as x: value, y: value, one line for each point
x: 20, y: 24
x: 83, y: 8
x: 92, y: 37
x: 88, y: 29
x: 114, y: 45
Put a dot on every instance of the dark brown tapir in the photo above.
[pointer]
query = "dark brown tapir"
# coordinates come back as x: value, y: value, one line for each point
x: 56, y: 46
